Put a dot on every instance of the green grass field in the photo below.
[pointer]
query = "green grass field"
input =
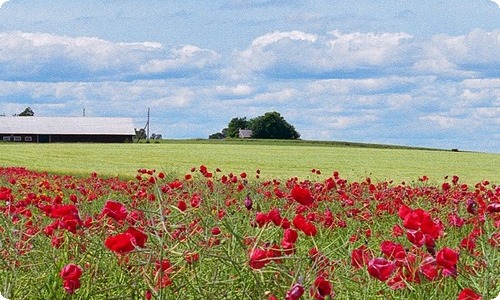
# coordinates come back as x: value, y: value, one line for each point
x: 275, y: 159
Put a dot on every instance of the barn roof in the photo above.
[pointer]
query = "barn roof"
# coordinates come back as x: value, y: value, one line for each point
x: 66, y: 125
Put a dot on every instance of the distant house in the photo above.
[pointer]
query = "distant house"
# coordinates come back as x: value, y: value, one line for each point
x: 66, y: 129
x: 245, y: 133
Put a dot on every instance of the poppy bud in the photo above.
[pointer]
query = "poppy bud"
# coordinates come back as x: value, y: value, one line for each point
x: 248, y: 202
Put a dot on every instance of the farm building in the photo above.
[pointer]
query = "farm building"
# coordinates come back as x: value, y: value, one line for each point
x: 66, y: 129
x: 245, y: 133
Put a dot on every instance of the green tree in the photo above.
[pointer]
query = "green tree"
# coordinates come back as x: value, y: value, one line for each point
x: 272, y: 126
x: 235, y: 125
x: 216, y: 136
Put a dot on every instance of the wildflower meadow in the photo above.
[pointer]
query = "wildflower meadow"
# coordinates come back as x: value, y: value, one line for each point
x: 210, y: 234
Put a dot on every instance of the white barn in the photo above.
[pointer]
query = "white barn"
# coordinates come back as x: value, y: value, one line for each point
x: 66, y: 129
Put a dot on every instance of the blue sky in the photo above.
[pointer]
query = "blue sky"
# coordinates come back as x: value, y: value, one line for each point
x: 417, y: 73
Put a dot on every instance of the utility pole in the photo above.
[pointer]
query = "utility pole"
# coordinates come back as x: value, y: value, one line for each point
x: 84, y: 112
x: 147, y: 131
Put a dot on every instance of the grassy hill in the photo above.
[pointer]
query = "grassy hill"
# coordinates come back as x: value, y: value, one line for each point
x: 274, y: 159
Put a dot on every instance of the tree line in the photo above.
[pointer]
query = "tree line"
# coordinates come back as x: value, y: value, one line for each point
x: 271, y: 125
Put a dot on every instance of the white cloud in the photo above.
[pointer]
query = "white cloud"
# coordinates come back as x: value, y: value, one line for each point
x: 295, y: 52
x: 442, y: 122
x: 274, y: 37
x: 2, y: 2
x: 41, y: 56
x: 237, y: 91
x: 187, y: 56
x: 463, y: 56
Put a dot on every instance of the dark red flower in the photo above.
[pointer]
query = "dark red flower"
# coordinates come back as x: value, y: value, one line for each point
x: 381, y: 268
x: 181, y: 205
x: 404, y: 211
x: 216, y: 231
x: 302, y: 195
x: 493, y: 207
x: 248, y: 202
x: 290, y: 236
x: 295, y: 292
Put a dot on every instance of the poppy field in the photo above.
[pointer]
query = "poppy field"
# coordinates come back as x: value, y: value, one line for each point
x: 210, y: 234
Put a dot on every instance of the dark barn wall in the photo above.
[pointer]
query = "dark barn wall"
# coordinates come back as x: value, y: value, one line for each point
x: 54, y: 138
x: 90, y: 138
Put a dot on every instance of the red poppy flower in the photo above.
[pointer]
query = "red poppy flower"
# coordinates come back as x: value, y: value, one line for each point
x: 447, y: 258
x: 195, y: 201
x: 71, y: 272
x: 397, y: 230
x: 115, y: 210
x: 468, y: 243
x: 468, y: 294
x: 290, y: 236
x: 59, y: 211
x: 428, y: 268
x: 127, y: 241
x: 381, y: 268
x: 360, y: 256
x: 412, y: 220
x: 181, y: 205
x: 304, y: 225
x: 258, y: 258
x: 70, y: 223
x: 275, y: 216
x: 288, y: 242
x: 393, y: 250
x: 216, y: 231
x: 302, y: 195
x: 321, y: 288
x: 71, y: 285
x: 416, y: 237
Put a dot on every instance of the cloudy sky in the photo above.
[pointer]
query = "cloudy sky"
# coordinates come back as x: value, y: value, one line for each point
x: 418, y: 73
